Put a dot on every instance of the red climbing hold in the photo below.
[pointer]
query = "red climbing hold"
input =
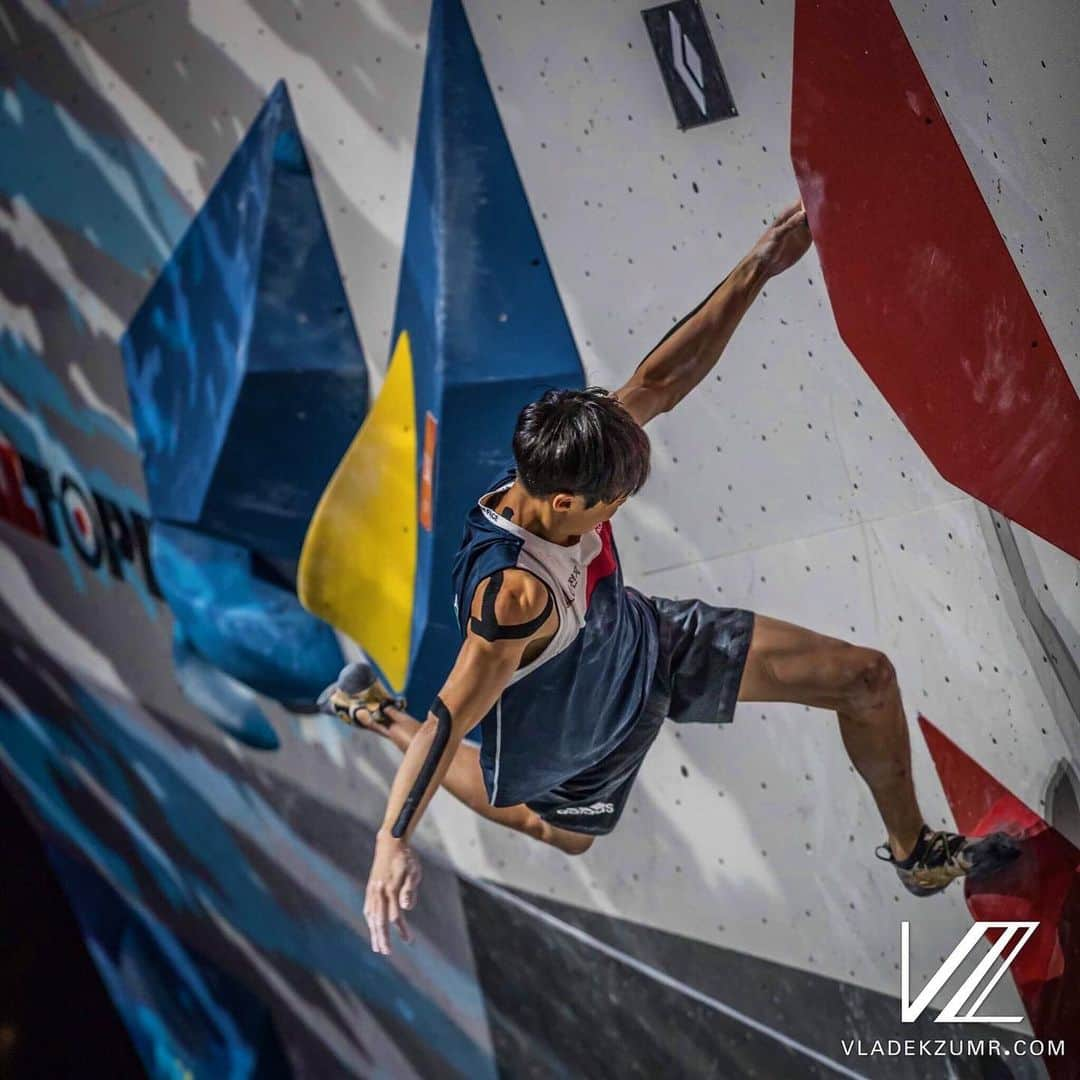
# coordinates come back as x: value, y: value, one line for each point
x: 1042, y: 885
x: 924, y: 290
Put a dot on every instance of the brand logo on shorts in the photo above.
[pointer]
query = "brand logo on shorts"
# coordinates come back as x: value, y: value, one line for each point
x: 595, y: 808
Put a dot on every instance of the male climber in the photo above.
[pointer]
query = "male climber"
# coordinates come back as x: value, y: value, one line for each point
x: 571, y: 673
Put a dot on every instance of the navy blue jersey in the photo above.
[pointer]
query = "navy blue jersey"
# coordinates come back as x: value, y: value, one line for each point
x: 581, y: 697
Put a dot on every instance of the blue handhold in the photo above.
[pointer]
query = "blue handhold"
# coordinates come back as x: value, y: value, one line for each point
x: 253, y: 630
x: 228, y: 703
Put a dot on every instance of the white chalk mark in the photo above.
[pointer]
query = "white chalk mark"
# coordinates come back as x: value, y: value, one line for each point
x: 20, y: 322
x: 13, y: 106
x: 29, y: 233
x: 93, y: 401
x: 50, y: 632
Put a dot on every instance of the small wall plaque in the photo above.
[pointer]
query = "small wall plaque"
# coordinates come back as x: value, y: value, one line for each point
x: 688, y: 62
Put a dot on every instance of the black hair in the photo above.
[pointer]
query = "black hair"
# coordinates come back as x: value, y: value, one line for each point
x: 582, y: 442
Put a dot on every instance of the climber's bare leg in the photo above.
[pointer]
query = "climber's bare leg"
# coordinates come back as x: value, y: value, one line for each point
x: 790, y: 663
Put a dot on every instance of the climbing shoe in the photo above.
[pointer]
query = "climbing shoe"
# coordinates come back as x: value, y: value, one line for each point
x: 357, y: 697
x: 940, y: 857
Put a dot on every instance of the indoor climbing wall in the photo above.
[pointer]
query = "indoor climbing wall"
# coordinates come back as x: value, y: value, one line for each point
x: 738, y: 905
x: 787, y: 483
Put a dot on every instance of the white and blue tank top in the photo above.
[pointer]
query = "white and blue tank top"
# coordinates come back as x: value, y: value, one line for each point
x: 582, y: 695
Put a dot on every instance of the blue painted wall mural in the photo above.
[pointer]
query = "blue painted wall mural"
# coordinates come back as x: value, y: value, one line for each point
x: 218, y: 859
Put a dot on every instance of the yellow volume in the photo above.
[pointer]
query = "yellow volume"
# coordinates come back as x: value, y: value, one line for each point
x: 358, y: 565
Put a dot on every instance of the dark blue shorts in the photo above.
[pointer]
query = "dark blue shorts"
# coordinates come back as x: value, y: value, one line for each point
x: 702, y: 654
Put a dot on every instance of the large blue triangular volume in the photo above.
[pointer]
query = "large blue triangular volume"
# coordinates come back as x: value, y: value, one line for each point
x: 246, y: 376
x: 478, y: 299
